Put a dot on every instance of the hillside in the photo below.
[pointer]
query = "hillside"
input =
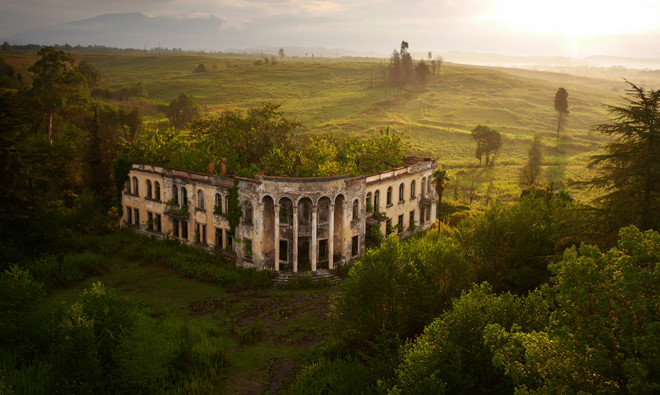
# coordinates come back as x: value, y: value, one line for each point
x: 348, y: 96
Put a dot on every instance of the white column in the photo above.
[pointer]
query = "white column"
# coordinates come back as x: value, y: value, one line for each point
x: 276, y: 237
x: 331, y: 237
x: 295, y: 238
x: 313, y: 252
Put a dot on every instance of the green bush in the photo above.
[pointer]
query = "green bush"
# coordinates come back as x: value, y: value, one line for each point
x: 333, y: 376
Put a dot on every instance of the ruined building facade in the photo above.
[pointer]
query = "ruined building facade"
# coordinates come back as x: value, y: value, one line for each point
x: 292, y: 224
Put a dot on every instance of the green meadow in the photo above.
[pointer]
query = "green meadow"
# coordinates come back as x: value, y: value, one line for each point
x: 350, y: 96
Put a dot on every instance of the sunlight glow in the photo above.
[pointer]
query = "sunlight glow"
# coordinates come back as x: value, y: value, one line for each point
x: 577, y: 18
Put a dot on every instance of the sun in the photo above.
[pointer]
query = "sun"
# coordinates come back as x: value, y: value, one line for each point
x: 577, y: 18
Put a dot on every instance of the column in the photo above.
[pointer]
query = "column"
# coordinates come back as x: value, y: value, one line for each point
x: 331, y: 237
x: 295, y: 237
x: 313, y: 252
x: 276, y: 237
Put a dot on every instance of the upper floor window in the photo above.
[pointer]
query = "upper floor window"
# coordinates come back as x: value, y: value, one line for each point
x: 412, y: 190
x: 389, y: 196
x: 149, y: 195
x: 248, y: 212
x: 430, y: 185
x: 157, y: 190
x: 368, y: 202
x: 184, y: 197
x: 175, y: 194
x: 227, y: 204
x: 356, y: 207
x: 218, y: 204
x: 422, y: 190
x: 401, y: 196
x: 376, y: 201
x: 200, y: 199
x: 135, y: 186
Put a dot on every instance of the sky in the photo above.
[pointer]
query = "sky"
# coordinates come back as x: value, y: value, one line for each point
x: 576, y: 28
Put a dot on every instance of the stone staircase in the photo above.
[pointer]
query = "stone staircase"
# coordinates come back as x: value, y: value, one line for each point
x: 321, y: 274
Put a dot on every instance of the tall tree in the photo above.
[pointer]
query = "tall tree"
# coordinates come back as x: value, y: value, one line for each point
x: 531, y: 172
x: 489, y: 143
x: 440, y: 180
x: 630, y: 167
x: 281, y: 53
x: 182, y: 110
x: 561, y: 106
x: 57, y: 87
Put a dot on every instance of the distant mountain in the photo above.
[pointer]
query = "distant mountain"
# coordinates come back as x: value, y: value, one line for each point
x: 134, y: 30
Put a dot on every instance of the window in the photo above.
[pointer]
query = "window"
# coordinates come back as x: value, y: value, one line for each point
x: 175, y: 227
x: 377, y: 201
x: 248, y: 213
x: 228, y: 240
x: 389, y: 196
x: 401, y: 196
x: 430, y: 185
x: 129, y: 215
x: 128, y: 185
x: 355, y: 247
x: 149, y: 189
x: 136, y: 216
x: 150, y: 221
x: 184, y: 196
x: 184, y: 230
x: 226, y: 204
x: 388, y: 227
x: 217, y: 209
x: 412, y: 190
x: 284, y: 214
x: 421, y: 215
x: 200, y: 233
x: 284, y: 251
x: 400, y: 224
x: 200, y: 199
x: 157, y: 223
x: 323, y: 250
x: 368, y: 202
x: 422, y: 189
x: 428, y: 213
x: 175, y: 195
x: 356, y: 207
x: 324, y: 209
x: 411, y: 221
x: 157, y: 190
x: 135, y: 186
x: 248, y: 248
x: 218, y: 237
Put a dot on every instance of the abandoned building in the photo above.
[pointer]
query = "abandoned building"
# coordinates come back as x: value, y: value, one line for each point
x: 288, y: 224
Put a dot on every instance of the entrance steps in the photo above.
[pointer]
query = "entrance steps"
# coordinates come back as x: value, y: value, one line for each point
x: 283, y: 277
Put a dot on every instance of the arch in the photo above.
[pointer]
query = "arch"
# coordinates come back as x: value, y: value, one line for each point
x: 412, y: 189
x: 175, y: 194
x: 268, y: 234
x: 338, y: 236
x: 367, y: 203
x: 157, y: 190
x: 217, y: 207
x: 200, y: 199
x: 323, y: 209
x: 430, y: 185
x: 389, y: 196
x: 286, y: 210
x: 356, y: 210
x: 377, y: 201
x: 401, y: 190
x: 149, y: 194
x: 422, y: 190
x: 227, y: 203
x: 304, y: 211
x: 135, y: 187
x: 184, y: 196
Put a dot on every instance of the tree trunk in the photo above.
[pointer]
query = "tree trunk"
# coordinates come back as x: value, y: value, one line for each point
x: 559, y: 124
x: 50, y: 128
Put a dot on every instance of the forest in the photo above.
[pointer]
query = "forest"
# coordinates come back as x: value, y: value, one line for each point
x: 542, y: 292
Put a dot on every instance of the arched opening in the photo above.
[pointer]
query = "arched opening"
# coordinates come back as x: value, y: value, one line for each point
x: 217, y: 208
x: 323, y: 234
x: 268, y: 234
x: 184, y: 197
x: 149, y: 189
x: 285, y: 247
x: 286, y: 211
x: 200, y: 199
x: 422, y: 190
x: 323, y: 210
x: 135, y: 186
x: 377, y: 201
x: 157, y: 190
x: 356, y: 210
x: 401, y: 195
x: 247, y: 212
x: 389, y: 196
x: 368, y: 203
x: 175, y: 195
x: 338, y: 242
x: 304, y: 234
x: 412, y: 189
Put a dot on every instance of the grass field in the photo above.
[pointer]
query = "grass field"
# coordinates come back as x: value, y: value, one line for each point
x: 350, y: 97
